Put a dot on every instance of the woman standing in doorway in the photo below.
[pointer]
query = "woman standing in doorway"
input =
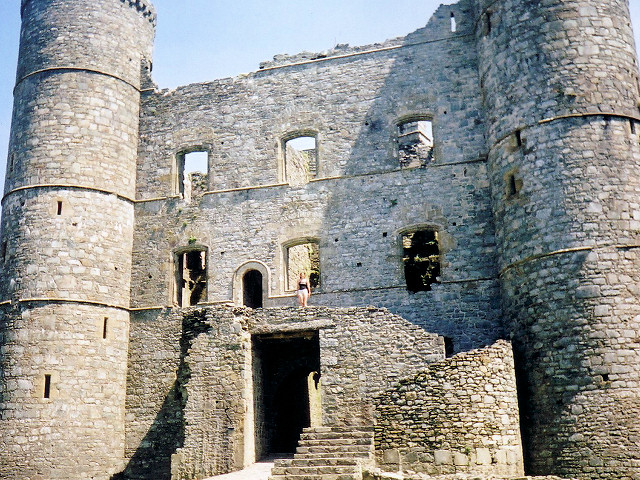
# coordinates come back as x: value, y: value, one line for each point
x: 304, y: 290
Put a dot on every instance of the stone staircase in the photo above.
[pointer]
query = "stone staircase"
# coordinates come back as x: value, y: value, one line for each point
x: 327, y: 453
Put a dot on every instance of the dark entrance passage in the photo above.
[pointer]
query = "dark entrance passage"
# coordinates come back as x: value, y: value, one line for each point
x: 286, y: 389
x: 252, y: 289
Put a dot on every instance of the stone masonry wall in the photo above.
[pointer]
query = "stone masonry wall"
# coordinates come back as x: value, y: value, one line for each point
x: 66, y: 240
x: 190, y: 383
x: 459, y: 415
x: 85, y: 411
x: 360, y: 202
x: 560, y: 80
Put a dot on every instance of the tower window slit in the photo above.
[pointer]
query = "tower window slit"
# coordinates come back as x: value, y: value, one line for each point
x: 59, y: 210
x: 487, y: 23
x: 3, y: 252
x: 513, y: 185
x: 518, y: 138
x: 104, y: 327
x: 632, y: 124
x: 47, y: 385
x: 454, y: 27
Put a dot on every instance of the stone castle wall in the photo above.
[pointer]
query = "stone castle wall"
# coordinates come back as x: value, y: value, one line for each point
x: 459, y: 415
x: 532, y: 192
x: 360, y: 201
x: 191, y: 379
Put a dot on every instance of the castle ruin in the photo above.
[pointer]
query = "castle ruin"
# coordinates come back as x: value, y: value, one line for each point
x: 465, y: 201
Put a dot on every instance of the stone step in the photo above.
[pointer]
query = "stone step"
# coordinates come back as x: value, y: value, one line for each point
x: 334, y: 435
x: 344, y: 429
x: 341, y: 450
x: 353, y: 476
x: 335, y: 441
x: 327, y: 453
x: 315, y: 461
x: 315, y: 469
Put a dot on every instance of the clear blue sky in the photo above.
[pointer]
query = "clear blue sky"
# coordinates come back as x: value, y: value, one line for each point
x: 200, y: 40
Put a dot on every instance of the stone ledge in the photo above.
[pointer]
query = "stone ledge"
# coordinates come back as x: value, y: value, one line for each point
x: 377, y: 474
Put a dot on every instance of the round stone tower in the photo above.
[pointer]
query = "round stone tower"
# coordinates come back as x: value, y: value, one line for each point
x: 66, y: 242
x: 560, y: 86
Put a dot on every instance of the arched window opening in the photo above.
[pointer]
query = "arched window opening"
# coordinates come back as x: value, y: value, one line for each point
x: 252, y: 289
x: 192, y: 173
x: 454, y: 26
x: 415, y: 143
x: 300, y: 159
x: 191, y: 277
x: 303, y: 258
x: 421, y: 259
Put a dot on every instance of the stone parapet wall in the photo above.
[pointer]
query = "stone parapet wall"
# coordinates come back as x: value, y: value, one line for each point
x: 459, y: 415
x: 438, y: 28
x: 106, y: 36
x: 577, y: 56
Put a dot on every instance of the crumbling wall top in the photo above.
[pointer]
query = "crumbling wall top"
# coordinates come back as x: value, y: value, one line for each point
x: 145, y: 7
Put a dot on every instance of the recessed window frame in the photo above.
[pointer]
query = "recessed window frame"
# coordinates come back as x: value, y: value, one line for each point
x: 177, y: 278
x: 290, y: 285
x: 179, y: 167
x: 512, y: 184
x: 399, y: 134
x: 437, y: 232
x: 46, y: 387
x: 285, y: 171
x: 487, y: 23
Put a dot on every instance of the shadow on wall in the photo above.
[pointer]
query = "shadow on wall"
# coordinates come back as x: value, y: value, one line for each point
x: 433, y: 76
x: 152, y: 459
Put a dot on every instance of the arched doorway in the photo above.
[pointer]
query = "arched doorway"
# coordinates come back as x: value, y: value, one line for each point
x: 252, y: 289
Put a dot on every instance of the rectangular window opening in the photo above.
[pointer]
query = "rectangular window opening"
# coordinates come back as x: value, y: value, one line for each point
x: 192, y: 172
x: 421, y: 259
x: 47, y: 385
x: 104, y: 327
x: 303, y: 258
x: 191, y: 277
x: 454, y: 27
x: 301, y: 159
x: 415, y: 143
x: 632, y: 124
x: 59, y: 210
x: 3, y: 251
